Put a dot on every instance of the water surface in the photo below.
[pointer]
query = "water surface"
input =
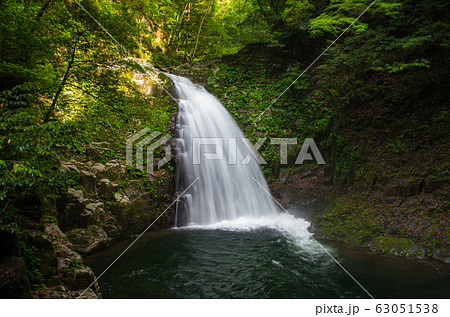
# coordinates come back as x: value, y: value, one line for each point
x: 258, y: 260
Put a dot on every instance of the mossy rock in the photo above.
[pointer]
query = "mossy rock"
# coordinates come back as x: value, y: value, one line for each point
x: 398, y: 246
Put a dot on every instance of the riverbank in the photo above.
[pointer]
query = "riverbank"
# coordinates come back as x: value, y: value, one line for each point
x: 414, y: 225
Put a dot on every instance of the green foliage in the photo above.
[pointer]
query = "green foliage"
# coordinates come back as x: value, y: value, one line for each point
x: 30, y: 254
x: 342, y: 13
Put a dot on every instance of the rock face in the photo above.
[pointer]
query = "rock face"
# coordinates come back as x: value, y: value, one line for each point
x: 88, y: 240
x: 109, y: 205
x: 404, y: 190
x: 61, y: 269
x: 106, y: 205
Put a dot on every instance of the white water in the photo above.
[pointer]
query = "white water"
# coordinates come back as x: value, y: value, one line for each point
x: 223, y: 191
x: 226, y: 196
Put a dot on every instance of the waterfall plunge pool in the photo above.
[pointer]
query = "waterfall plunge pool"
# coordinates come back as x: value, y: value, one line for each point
x: 262, y: 258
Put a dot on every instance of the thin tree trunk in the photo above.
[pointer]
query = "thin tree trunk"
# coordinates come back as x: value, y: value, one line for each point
x: 63, y: 82
x: 199, y: 31
x: 187, y: 32
x: 180, y: 28
x: 274, y: 6
x: 43, y: 9
x: 261, y: 8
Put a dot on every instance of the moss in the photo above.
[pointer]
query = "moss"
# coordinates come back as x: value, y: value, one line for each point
x: 398, y: 246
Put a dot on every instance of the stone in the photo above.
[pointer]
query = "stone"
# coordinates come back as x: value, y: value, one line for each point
x: 404, y: 190
x: 69, y: 216
x: 43, y: 247
x: 442, y: 254
x: 69, y: 166
x: 398, y: 246
x: 114, y: 170
x: 84, y: 294
x: 88, y: 240
x: 91, y: 214
x: 133, y: 189
x: 95, y: 150
x: 55, y: 292
x: 76, y: 193
x: 80, y: 278
x: 97, y: 168
x: 88, y: 180
x: 111, y: 227
x: 121, y: 198
x: 434, y: 185
x: 106, y: 189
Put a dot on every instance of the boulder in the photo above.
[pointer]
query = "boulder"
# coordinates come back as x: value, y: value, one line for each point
x: 106, y: 189
x: 69, y: 216
x: 97, y: 168
x: 91, y: 214
x: 84, y: 294
x: 404, y: 190
x: 442, y: 254
x: 55, y: 292
x: 397, y: 246
x: 88, y: 240
x: 114, y: 171
x: 80, y: 278
x: 122, y: 199
x: 39, y: 245
x: 88, y: 180
x: 111, y: 227
x: 133, y: 215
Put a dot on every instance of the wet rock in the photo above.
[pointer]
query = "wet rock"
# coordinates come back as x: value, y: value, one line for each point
x: 55, y: 292
x: 13, y: 279
x: 442, y: 254
x: 397, y: 246
x: 80, y: 278
x: 133, y: 216
x: 111, y: 227
x: 84, y: 294
x: 88, y: 240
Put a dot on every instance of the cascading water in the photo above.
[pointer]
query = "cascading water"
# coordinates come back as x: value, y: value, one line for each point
x: 226, y: 188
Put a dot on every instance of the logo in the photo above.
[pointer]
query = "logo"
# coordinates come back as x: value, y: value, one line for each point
x: 147, y: 140
x: 151, y: 144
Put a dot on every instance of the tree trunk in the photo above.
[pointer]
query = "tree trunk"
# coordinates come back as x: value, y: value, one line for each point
x: 178, y: 33
x: 199, y: 31
x: 261, y: 8
x: 63, y: 82
x: 187, y: 31
x: 42, y: 10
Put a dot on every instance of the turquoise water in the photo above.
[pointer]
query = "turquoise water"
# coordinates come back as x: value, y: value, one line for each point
x: 257, y: 263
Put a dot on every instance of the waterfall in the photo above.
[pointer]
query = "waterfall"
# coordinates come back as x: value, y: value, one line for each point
x: 226, y: 189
